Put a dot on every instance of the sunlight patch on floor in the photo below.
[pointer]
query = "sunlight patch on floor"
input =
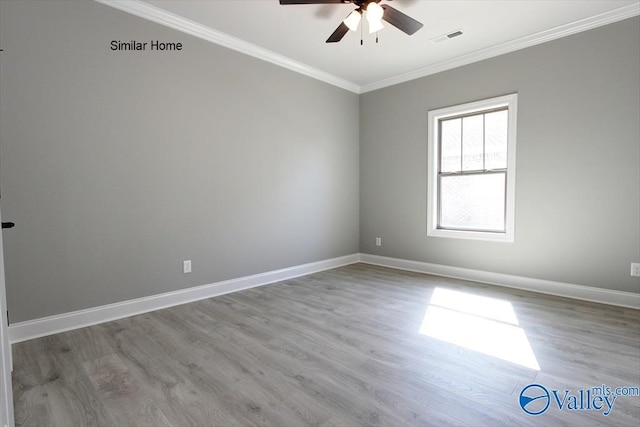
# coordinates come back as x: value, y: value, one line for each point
x: 482, y: 324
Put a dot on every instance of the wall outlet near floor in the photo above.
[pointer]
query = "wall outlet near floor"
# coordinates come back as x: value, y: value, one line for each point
x: 186, y: 266
x: 378, y: 241
x: 635, y: 269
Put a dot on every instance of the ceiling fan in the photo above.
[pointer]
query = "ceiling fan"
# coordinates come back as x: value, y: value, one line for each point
x: 374, y: 14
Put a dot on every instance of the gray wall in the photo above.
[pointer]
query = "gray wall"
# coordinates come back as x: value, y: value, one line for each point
x: 578, y: 161
x: 118, y: 166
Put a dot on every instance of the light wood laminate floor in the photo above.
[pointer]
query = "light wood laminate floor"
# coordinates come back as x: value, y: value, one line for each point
x: 337, y: 348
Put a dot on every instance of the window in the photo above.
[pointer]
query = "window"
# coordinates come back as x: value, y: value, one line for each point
x: 471, y: 177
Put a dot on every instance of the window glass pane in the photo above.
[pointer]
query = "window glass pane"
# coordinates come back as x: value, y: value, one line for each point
x: 496, y: 125
x: 472, y: 143
x: 450, y: 159
x: 473, y: 202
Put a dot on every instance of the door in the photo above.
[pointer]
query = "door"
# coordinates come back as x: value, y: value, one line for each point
x: 6, y: 395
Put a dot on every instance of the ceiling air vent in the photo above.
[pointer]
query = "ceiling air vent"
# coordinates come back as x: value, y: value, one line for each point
x: 449, y: 35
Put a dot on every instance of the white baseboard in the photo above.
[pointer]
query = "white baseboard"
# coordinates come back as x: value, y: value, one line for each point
x: 23, y: 331
x: 585, y: 293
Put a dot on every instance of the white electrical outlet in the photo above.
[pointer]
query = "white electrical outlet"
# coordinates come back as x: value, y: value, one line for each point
x: 186, y: 266
x: 378, y: 241
x: 635, y: 269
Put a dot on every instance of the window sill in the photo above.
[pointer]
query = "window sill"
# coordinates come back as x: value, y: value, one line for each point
x: 472, y: 235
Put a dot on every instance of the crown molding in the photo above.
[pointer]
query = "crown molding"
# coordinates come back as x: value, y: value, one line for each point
x: 511, y: 46
x: 161, y: 16
x: 168, y: 19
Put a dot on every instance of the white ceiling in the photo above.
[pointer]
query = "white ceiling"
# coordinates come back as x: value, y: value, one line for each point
x: 294, y: 35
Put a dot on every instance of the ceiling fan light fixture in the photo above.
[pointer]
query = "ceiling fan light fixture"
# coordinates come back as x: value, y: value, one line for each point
x: 375, y: 27
x: 353, y: 20
x: 374, y: 17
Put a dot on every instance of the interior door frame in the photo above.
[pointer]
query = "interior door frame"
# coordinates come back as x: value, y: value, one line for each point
x: 6, y: 392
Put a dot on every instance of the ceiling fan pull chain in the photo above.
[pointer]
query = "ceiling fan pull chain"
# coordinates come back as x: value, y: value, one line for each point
x: 361, y: 43
x: 376, y: 37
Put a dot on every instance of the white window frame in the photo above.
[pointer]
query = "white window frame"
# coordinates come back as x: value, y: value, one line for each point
x: 434, y: 116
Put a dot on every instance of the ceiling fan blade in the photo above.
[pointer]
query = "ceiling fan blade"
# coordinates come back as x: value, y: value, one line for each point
x: 400, y: 20
x: 338, y: 34
x: 312, y: 1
